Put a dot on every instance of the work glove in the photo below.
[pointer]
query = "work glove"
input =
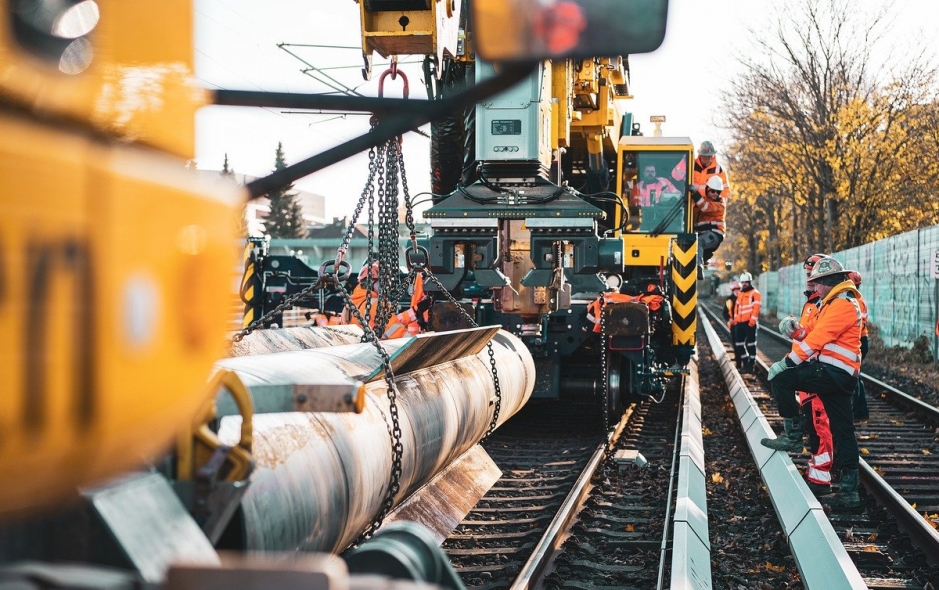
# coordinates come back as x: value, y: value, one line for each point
x: 777, y: 368
x: 788, y: 325
x: 420, y: 310
x: 752, y: 322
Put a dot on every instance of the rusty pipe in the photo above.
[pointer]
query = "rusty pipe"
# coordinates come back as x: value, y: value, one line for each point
x: 320, y: 478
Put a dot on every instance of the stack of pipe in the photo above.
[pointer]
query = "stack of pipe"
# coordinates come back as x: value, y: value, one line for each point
x: 320, y: 478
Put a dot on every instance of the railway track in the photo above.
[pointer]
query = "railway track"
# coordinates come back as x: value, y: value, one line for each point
x: 567, y: 515
x: 892, y: 540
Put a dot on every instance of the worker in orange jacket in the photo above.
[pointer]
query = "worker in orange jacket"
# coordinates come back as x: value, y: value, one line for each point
x: 815, y: 419
x: 409, y: 322
x: 709, y: 214
x: 826, y: 362
x: 746, y: 319
x: 706, y: 166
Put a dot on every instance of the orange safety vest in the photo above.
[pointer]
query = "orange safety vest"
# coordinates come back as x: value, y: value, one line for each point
x: 398, y: 326
x: 709, y: 214
x: 835, y: 334
x: 642, y: 194
x: 700, y: 175
x: 809, y: 312
x: 747, y: 306
x: 595, y: 308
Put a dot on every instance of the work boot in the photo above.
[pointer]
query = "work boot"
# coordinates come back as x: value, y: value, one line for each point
x: 847, y: 496
x: 791, y: 440
x: 748, y: 365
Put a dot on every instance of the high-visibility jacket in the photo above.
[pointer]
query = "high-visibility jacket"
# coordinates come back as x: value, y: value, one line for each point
x: 642, y: 195
x: 595, y: 308
x: 701, y: 173
x: 709, y: 213
x: 835, y: 334
x: 747, y: 306
x: 809, y: 313
x: 399, y: 325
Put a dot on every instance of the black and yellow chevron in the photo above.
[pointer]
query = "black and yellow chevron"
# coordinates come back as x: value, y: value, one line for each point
x: 685, y: 295
x: 250, y: 286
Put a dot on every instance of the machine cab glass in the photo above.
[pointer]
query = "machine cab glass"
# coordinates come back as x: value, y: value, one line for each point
x: 654, y: 185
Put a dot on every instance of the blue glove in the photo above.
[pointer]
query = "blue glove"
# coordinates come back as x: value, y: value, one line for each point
x: 777, y: 368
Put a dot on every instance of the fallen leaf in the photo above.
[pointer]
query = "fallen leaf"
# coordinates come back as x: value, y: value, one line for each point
x: 864, y: 451
x: 630, y: 528
x: 717, y: 477
x: 705, y: 431
x: 775, y: 568
x: 872, y: 537
x: 871, y: 549
x: 849, y: 534
x: 926, y: 452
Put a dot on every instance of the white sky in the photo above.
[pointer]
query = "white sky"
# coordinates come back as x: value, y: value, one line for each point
x: 236, y: 48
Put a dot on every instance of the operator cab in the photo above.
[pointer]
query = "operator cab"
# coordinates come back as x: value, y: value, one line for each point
x: 653, y: 179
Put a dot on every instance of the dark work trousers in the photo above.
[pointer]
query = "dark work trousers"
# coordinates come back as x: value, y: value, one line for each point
x: 836, y: 389
x: 740, y: 349
x: 748, y: 336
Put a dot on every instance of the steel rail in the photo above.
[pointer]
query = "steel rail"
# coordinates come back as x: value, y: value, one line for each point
x: 920, y: 530
x: 931, y: 411
x: 547, y: 547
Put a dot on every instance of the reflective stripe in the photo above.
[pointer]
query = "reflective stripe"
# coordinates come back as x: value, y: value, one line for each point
x: 818, y: 476
x: 849, y: 354
x: 821, y: 459
x: 836, y: 362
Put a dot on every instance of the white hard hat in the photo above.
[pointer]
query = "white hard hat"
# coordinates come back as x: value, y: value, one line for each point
x: 825, y: 267
x: 715, y: 183
x: 746, y: 278
x: 706, y: 149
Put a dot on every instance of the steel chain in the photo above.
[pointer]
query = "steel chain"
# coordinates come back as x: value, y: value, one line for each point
x: 604, y: 369
x: 371, y: 333
x: 281, y: 307
x: 492, y: 355
x: 394, y: 428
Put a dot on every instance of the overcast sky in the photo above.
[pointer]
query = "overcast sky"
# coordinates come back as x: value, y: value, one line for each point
x: 237, y: 48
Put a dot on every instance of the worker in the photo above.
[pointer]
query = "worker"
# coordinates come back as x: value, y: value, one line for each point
x: 827, y: 362
x: 706, y: 166
x: 409, y: 322
x: 814, y: 417
x: 861, y: 411
x: 730, y: 306
x: 746, y: 316
x: 709, y: 220
x: 651, y: 186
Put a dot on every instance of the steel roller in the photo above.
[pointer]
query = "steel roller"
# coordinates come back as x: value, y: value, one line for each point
x: 320, y: 478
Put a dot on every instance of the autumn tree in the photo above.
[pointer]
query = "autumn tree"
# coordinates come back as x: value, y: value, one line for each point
x: 830, y: 135
x: 285, y: 219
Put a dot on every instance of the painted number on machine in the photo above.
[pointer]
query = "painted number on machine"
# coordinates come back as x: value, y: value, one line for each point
x: 935, y: 264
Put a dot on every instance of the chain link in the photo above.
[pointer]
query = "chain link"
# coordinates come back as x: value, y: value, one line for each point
x: 492, y: 355
x: 386, y: 284
x: 604, y: 369
x: 281, y: 307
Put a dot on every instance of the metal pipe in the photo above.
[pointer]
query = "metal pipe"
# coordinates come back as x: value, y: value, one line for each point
x: 297, y: 338
x: 320, y: 478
